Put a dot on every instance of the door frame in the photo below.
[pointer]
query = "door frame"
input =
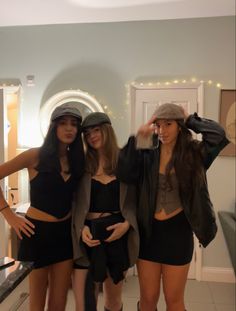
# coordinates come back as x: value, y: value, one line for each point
x: 5, y: 232
x: 199, y: 87
x: 134, y: 87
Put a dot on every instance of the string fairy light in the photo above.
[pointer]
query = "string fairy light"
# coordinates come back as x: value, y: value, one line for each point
x: 166, y: 84
x: 151, y: 84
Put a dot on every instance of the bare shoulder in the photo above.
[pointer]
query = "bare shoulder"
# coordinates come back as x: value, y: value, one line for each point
x: 31, y: 156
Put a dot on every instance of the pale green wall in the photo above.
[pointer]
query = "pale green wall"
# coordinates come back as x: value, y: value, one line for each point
x: 102, y: 58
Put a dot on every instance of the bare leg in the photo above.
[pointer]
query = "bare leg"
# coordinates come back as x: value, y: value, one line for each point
x: 38, y: 283
x: 59, y: 283
x: 79, y: 282
x: 174, y: 281
x: 112, y: 295
x: 149, y: 274
x: 96, y: 291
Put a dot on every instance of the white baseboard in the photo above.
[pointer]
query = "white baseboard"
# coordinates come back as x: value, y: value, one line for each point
x: 217, y: 274
x: 132, y: 271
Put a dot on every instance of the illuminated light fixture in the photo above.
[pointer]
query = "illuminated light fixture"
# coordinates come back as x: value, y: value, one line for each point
x: 76, y: 96
x: 209, y: 82
x: 218, y: 85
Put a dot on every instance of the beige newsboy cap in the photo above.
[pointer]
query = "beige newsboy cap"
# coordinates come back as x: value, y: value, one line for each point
x: 169, y: 111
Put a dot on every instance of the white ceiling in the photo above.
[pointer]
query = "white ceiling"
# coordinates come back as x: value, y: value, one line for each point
x: 41, y: 12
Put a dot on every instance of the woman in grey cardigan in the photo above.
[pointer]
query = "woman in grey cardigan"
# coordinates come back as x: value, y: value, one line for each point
x: 100, y: 194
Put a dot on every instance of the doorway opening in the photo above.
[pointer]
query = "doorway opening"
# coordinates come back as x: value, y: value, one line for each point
x: 9, y: 124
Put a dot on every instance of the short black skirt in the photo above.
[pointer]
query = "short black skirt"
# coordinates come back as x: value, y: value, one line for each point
x: 171, y: 241
x: 51, y: 243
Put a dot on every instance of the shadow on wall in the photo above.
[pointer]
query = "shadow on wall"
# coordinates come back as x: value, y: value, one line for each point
x: 98, y: 80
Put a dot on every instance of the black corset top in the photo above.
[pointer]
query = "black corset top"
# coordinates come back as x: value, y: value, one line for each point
x: 50, y: 193
x: 105, y: 197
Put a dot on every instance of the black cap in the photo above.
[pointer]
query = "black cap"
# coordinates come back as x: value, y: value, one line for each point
x: 94, y: 119
x: 67, y: 109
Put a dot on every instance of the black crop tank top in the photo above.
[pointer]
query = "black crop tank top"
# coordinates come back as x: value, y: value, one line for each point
x: 105, y: 197
x: 51, y: 194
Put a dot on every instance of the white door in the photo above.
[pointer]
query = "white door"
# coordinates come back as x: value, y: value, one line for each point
x: 144, y: 100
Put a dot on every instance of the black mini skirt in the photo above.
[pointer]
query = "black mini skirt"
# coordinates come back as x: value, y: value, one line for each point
x: 51, y: 243
x: 171, y: 241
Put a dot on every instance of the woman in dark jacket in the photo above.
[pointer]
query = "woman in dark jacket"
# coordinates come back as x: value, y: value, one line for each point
x: 173, y: 198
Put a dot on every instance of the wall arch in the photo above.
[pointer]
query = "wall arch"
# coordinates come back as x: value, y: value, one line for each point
x: 85, y: 102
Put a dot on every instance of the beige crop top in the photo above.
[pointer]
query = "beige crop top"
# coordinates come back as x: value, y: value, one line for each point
x: 168, y: 197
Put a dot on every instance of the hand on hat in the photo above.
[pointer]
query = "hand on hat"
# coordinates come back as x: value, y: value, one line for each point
x: 186, y: 114
x: 148, y: 128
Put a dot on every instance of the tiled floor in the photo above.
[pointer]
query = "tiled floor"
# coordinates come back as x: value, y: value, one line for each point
x: 199, y: 296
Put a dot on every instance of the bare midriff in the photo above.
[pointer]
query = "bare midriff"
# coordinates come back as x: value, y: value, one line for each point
x: 35, y: 213
x: 161, y: 215
x: 92, y: 215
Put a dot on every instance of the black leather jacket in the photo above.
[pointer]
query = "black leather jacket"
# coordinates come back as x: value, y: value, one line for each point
x: 140, y: 167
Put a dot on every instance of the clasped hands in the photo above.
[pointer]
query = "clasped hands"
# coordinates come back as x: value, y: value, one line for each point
x: 118, y: 230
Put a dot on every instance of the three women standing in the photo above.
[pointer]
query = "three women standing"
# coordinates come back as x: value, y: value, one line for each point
x: 173, y: 202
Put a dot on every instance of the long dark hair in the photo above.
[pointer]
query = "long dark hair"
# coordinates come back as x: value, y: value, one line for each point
x: 49, y: 152
x: 110, y: 150
x: 186, y: 160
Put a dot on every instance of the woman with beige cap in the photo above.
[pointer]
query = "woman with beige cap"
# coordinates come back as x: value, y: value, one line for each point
x: 45, y: 231
x: 173, y: 198
x: 105, y: 231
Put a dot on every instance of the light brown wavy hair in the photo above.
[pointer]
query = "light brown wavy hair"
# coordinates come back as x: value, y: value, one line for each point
x: 110, y: 149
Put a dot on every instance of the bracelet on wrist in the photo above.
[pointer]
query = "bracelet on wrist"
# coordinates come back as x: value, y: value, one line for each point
x: 4, y: 207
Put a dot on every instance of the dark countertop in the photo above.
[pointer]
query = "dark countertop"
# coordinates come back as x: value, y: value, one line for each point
x: 11, y: 276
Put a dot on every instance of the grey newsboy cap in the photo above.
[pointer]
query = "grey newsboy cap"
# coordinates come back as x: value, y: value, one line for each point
x: 169, y: 111
x: 94, y: 119
x: 67, y: 109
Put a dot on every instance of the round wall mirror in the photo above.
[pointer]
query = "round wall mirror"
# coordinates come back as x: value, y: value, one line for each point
x: 82, y: 100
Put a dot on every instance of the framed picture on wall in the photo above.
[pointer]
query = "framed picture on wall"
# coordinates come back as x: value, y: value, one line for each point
x: 228, y: 120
